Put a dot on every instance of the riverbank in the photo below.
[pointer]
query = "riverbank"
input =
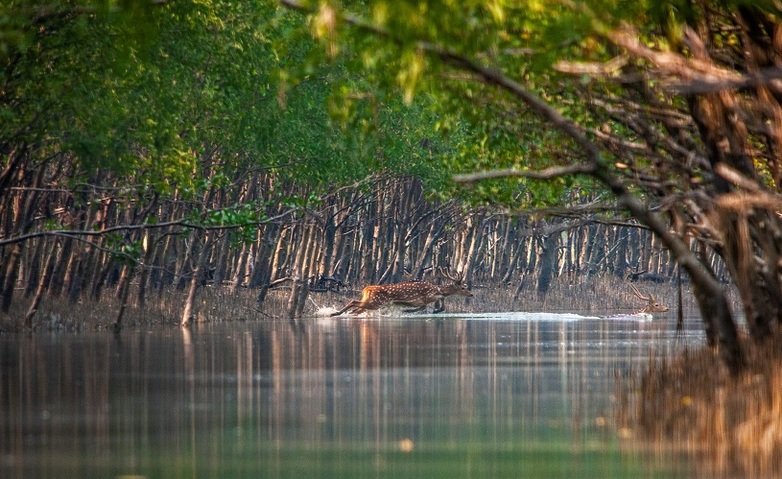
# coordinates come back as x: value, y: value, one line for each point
x: 598, y: 296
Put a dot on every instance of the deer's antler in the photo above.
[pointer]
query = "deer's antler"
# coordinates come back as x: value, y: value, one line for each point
x: 446, y: 273
x: 652, y: 305
x: 639, y: 294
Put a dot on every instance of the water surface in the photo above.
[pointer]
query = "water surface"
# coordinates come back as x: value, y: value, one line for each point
x: 460, y: 396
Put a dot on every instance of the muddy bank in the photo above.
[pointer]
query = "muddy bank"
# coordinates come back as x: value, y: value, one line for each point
x: 602, y: 296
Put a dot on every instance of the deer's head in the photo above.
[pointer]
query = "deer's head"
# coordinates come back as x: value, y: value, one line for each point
x: 652, y: 305
x: 455, y: 286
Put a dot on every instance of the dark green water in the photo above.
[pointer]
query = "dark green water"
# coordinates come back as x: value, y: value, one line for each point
x: 484, y: 396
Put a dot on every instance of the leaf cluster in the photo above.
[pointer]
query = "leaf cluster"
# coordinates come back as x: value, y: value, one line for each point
x: 172, y: 96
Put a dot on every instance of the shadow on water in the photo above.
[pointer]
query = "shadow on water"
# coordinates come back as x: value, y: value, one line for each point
x: 484, y: 396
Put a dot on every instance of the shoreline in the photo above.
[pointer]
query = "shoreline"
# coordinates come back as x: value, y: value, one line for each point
x: 222, y: 304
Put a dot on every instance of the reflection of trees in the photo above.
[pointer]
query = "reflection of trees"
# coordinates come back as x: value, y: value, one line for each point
x: 150, y: 400
x: 442, y: 381
x: 61, y: 406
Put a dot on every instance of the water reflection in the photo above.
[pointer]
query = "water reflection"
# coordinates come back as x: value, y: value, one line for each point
x: 397, y: 397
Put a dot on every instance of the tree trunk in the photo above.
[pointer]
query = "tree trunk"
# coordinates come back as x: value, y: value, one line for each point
x: 548, y: 259
x: 43, y: 283
x: 122, y: 296
x: 9, y: 283
x: 195, y: 281
x: 299, y: 282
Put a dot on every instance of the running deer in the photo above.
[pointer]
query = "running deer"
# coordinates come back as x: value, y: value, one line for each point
x: 652, y: 305
x: 416, y: 294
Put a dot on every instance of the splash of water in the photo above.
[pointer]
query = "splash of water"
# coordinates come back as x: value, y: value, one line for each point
x: 325, y: 311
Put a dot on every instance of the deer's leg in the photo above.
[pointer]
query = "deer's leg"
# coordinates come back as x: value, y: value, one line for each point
x: 350, y: 305
x: 439, y: 306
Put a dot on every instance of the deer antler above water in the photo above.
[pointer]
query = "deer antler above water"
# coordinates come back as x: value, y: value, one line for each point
x: 652, y: 304
x: 416, y: 294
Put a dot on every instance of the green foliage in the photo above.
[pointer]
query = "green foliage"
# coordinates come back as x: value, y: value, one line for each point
x: 470, y: 130
x: 183, y: 96
x: 186, y: 96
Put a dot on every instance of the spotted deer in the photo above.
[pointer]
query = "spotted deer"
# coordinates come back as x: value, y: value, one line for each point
x: 652, y: 305
x: 415, y: 294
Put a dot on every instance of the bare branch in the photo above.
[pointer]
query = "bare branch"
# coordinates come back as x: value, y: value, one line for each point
x: 183, y: 223
x: 697, y: 86
x: 743, y: 202
x: 609, y: 68
x: 732, y: 175
x: 694, y: 75
x: 689, y: 69
x: 545, y: 174
x: 615, y: 140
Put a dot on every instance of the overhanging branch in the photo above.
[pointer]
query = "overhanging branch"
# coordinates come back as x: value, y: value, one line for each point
x: 544, y: 174
x: 182, y: 223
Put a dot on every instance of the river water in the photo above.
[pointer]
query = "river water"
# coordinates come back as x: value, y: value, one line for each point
x: 460, y: 396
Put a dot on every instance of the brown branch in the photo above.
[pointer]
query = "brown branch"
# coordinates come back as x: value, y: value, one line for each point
x: 545, y: 174
x: 698, y: 86
x: 696, y: 76
x: 732, y: 175
x: 690, y: 69
x: 615, y: 140
x: 183, y: 223
x: 742, y: 202
x: 754, y: 196
x: 608, y: 68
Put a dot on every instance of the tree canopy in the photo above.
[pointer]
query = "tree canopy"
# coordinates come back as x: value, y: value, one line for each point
x: 147, y: 91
